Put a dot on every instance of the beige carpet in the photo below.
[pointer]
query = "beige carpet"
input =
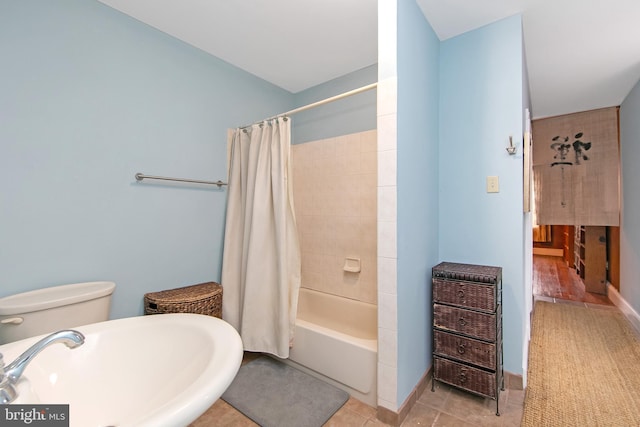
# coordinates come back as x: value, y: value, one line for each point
x: 584, y: 368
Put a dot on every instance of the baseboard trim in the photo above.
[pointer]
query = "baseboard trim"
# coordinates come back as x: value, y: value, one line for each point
x: 624, y: 306
x: 548, y: 251
x: 393, y: 418
x: 387, y: 416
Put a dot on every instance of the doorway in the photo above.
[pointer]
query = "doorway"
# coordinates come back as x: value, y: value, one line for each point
x: 554, y: 267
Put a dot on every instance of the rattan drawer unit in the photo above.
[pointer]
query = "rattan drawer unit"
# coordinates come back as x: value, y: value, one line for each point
x: 467, y: 328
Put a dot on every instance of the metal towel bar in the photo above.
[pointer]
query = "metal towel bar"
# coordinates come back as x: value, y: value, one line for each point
x: 140, y: 177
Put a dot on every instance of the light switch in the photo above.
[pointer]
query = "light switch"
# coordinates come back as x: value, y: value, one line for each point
x: 493, y: 185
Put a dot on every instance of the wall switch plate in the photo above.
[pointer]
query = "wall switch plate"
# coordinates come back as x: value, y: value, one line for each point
x: 493, y: 184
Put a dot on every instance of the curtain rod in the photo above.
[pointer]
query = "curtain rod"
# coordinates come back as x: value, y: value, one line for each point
x: 322, y: 102
x: 140, y: 176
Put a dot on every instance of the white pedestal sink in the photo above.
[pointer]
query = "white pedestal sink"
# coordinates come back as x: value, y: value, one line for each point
x: 160, y: 370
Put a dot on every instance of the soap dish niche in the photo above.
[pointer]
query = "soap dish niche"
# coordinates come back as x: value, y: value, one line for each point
x: 352, y: 265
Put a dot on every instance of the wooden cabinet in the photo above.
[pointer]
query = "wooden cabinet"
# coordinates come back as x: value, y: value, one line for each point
x: 568, y: 240
x: 590, y: 257
x: 467, y: 328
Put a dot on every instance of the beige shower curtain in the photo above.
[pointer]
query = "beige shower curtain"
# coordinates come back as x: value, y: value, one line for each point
x: 261, y: 260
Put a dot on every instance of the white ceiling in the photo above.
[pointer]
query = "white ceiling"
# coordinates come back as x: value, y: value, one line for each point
x: 581, y: 54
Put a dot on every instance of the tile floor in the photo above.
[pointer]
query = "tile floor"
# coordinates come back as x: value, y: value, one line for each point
x: 446, y: 406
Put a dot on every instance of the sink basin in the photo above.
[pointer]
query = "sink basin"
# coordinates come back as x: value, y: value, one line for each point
x: 160, y: 370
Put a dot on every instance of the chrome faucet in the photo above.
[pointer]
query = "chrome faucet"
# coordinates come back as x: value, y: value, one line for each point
x: 10, y: 374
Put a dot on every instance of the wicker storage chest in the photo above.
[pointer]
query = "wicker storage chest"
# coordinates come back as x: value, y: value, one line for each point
x: 203, y: 298
x: 467, y: 328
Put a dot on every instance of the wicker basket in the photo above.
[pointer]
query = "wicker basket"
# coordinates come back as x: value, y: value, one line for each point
x: 471, y: 323
x: 466, y: 377
x: 203, y: 298
x: 465, y: 349
x: 465, y: 294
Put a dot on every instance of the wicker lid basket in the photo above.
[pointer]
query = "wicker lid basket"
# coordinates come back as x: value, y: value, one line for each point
x: 203, y: 298
x: 470, y: 272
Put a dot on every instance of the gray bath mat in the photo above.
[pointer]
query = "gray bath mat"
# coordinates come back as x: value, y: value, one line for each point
x: 274, y: 394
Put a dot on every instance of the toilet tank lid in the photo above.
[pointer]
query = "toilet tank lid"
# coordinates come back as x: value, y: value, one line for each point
x: 55, y: 296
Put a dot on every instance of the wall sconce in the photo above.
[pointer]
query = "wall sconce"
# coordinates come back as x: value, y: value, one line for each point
x: 511, y: 149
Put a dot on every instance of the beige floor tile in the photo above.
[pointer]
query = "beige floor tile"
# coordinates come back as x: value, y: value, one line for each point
x: 360, y: 407
x: 375, y: 423
x: 346, y: 418
x: 446, y: 420
x: 420, y: 415
x: 221, y: 414
x: 512, y: 415
x: 437, y: 398
x: 515, y: 397
x: 446, y: 406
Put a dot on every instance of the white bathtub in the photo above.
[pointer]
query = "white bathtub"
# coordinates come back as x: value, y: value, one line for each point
x: 336, y: 340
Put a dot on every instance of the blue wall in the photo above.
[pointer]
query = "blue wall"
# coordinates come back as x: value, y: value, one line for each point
x: 417, y: 180
x: 356, y: 113
x: 527, y: 226
x: 630, y: 225
x: 481, y: 100
x: 89, y: 98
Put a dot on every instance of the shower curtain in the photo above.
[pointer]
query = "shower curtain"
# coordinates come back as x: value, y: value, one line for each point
x: 261, y: 258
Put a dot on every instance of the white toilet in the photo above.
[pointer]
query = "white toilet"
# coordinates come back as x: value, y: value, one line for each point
x: 51, y: 309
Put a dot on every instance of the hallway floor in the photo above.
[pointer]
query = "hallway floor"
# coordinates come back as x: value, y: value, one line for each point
x: 553, y: 278
x: 447, y: 406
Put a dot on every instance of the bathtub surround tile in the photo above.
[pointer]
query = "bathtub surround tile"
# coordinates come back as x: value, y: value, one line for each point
x: 387, y: 239
x: 387, y: 275
x: 327, y: 148
x: 387, y: 395
x: 387, y: 168
x: 369, y: 194
x: 387, y: 339
x: 387, y: 96
x: 338, y: 213
x: 369, y: 239
x: 387, y: 203
x: 348, y: 154
x: 315, y: 281
x: 387, y: 132
x: 387, y: 311
x: 369, y: 162
x: 387, y: 354
x: 368, y: 280
x: 369, y: 141
x: 303, y: 204
x: 347, y: 234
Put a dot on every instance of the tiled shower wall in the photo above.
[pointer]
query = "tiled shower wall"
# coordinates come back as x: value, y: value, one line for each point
x: 335, y: 196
